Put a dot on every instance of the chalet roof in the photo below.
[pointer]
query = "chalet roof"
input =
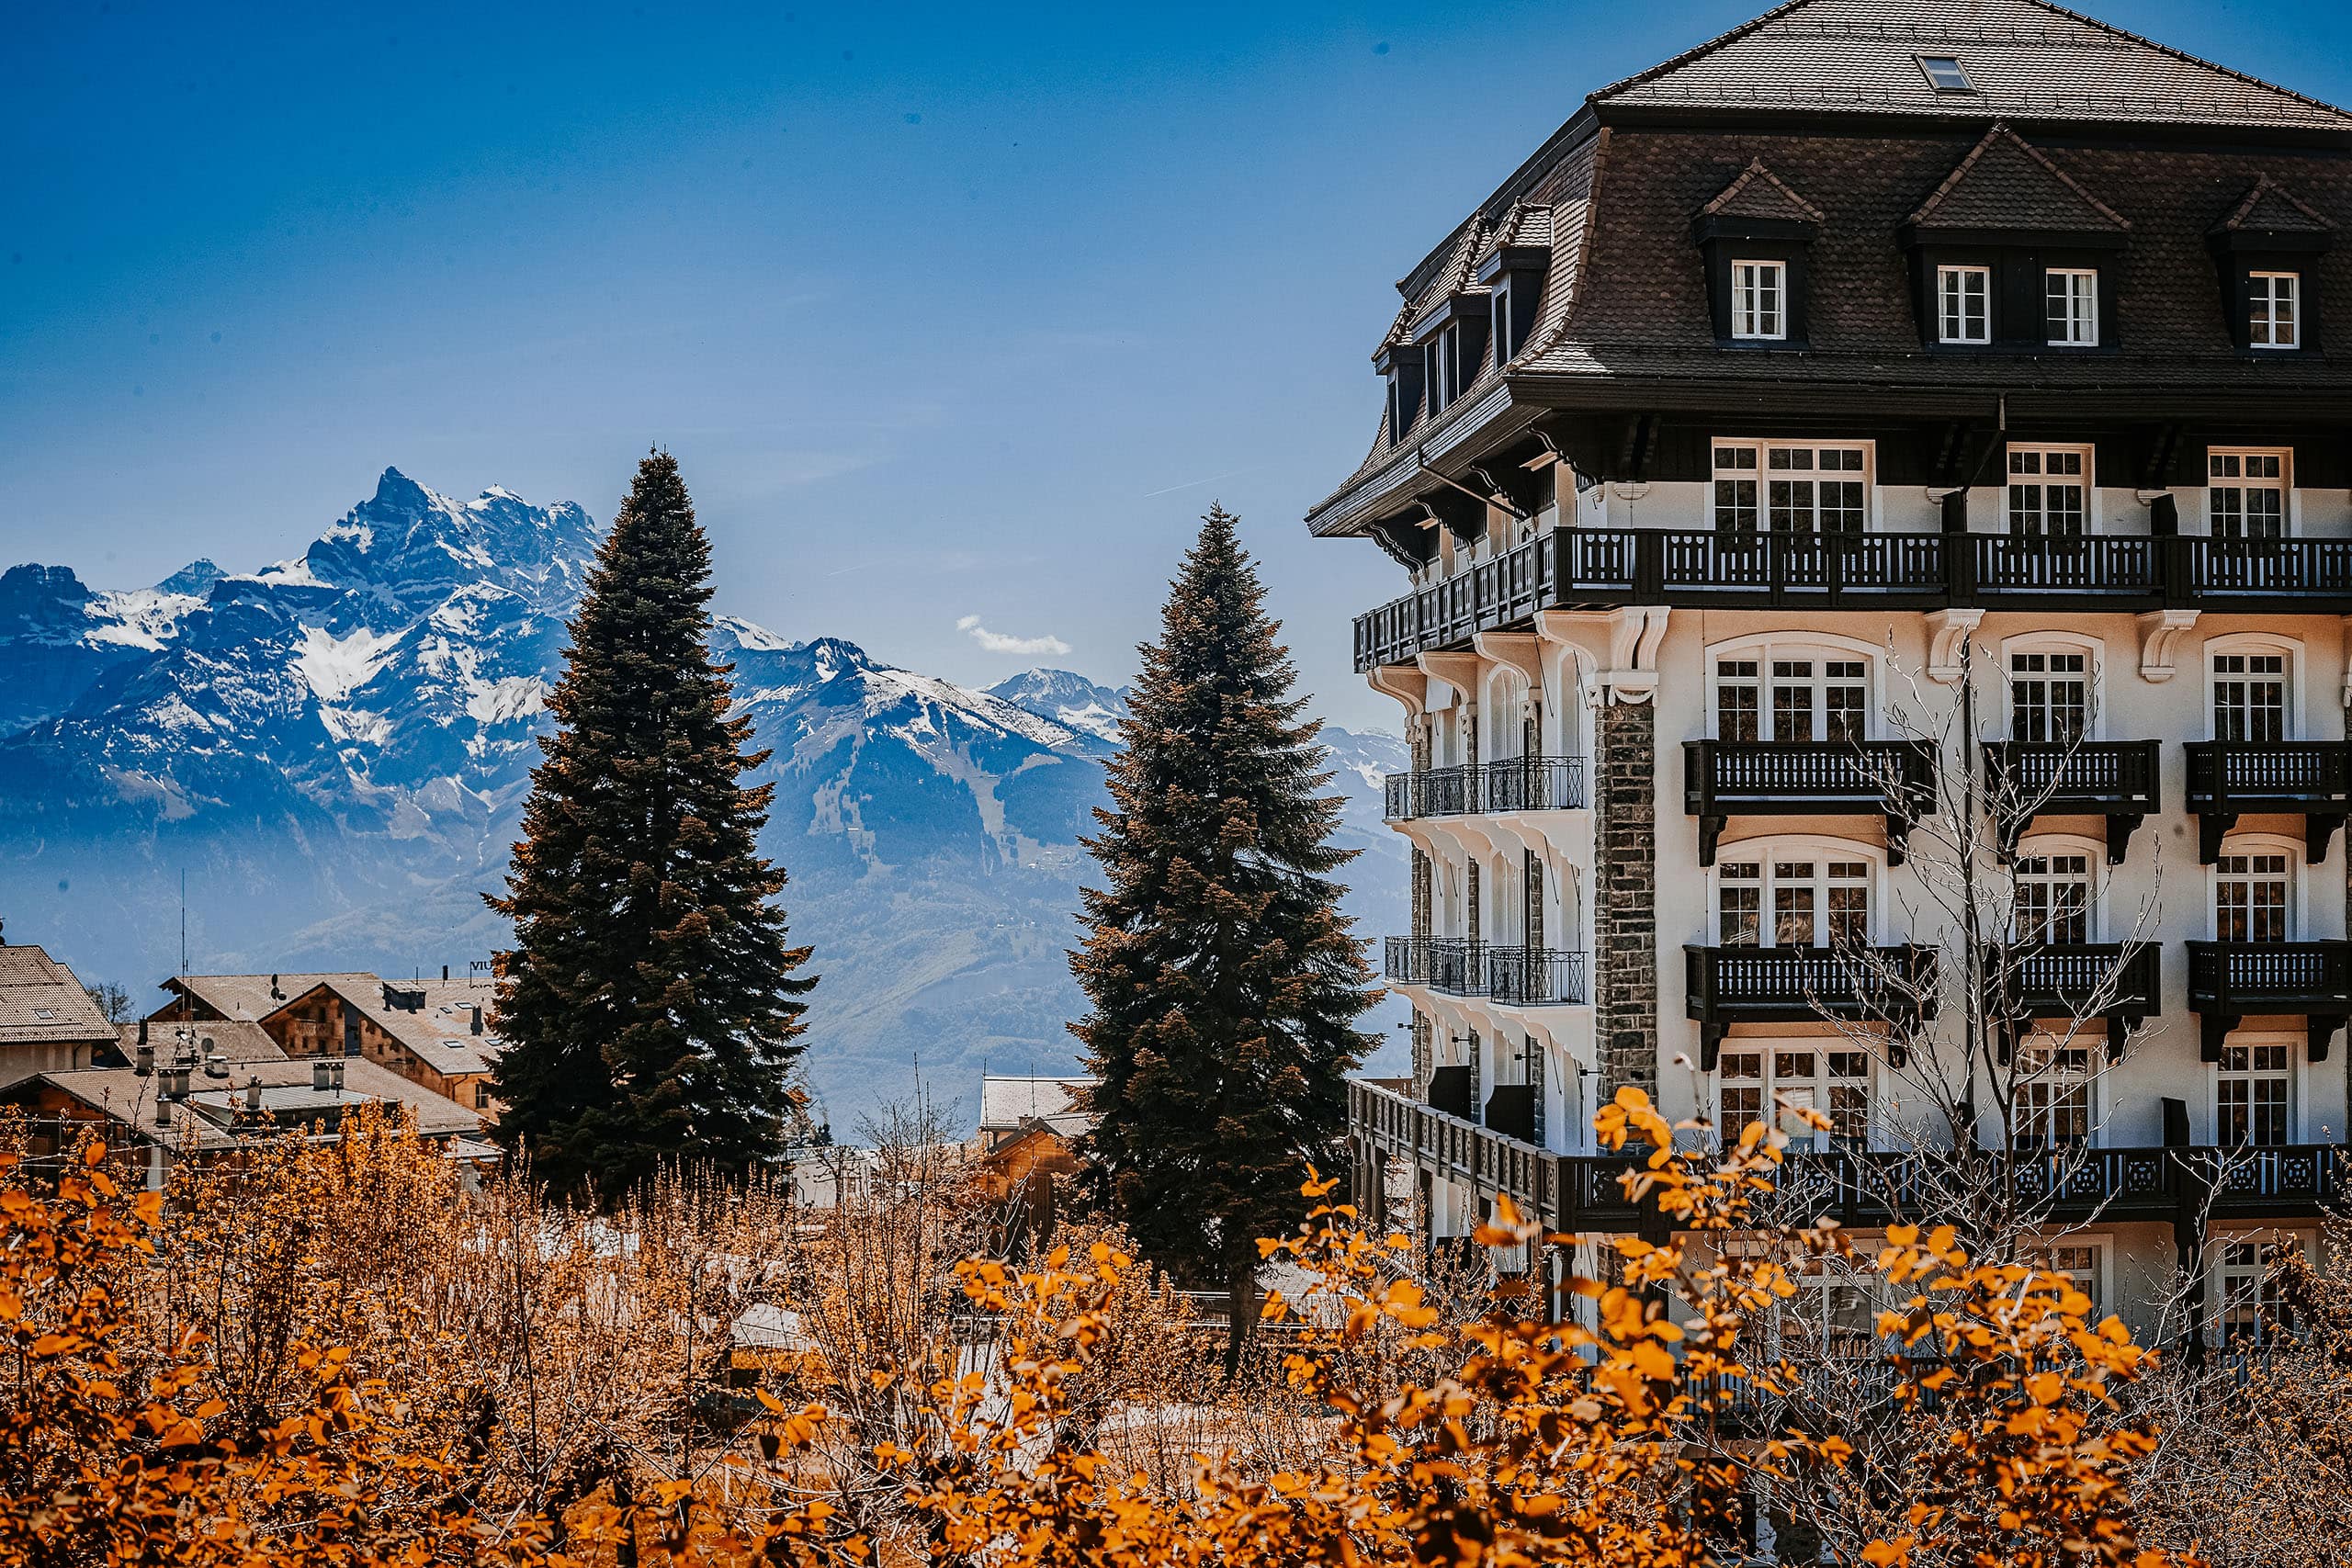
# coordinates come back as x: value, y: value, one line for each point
x: 124, y: 1097
x: 2025, y: 58
x: 1007, y: 1102
x: 440, y: 1033
x: 2006, y: 183
x: 42, y: 1004
x: 2270, y: 206
x: 1759, y: 192
x: 235, y: 1040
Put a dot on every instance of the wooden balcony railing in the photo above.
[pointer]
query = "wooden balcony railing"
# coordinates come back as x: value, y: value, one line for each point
x: 1518, y: 783
x: 2114, y: 779
x: 1895, y: 780
x: 2311, y: 779
x: 1535, y: 976
x: 1455, y: 965
x: 2086, y: 979
x: 2229, y: 980
x: 1724, y: 985
x: 1603, y: 567
x: 1586, y: 1192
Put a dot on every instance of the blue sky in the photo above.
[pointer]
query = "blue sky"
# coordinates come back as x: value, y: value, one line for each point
x: 947, y: 313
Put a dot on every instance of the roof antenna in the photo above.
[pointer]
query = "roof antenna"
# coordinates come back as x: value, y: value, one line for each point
x: 183, y: 919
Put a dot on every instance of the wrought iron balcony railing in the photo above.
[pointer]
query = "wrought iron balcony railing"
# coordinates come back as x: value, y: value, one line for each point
x: 1517, y: 783
x: 1891, y: 779
x: 1603, y: 567
x: 2229, y: 980
x: 2114, y: 779
x: 2311, y: 779
x: 1454, y: 966
x: 1534, y: 977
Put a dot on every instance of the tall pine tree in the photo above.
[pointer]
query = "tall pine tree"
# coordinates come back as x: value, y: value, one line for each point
x: 1223, y: 979
x: 648, y: 1007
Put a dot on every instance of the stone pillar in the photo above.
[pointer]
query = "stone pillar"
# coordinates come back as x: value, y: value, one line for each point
x: 1625, y: 956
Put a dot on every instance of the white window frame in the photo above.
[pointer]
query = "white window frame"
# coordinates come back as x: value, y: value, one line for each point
x: 2042, y: 846
x: 1759, y: 300
x: 2249, y: 1039
x: 2081, y: 313
x: 2264, y: 315
x: 2094, y: 671
x: 2042, y: 452
x: 2234, y: 845
x: 2257, y: 642
x: 1763, y: 451
x: 2225, y: 1270
x: 2034, y: 1252
x: 2240, y: 481
x: 1951, y: 304
x: 1817, y: 645
x: 1820, y: 1047
x: 2090, y: 1042
x: 1774, y: 849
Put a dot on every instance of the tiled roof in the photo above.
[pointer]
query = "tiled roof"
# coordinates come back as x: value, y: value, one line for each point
x: 2003, y: 182
x: 2272, y: 207
x: 41, y: 1003
x: 122, y: 1094
x: 441, y: 1035
x: 2026, y: 59
x: 258, y: 996
x: 236, y: 1042
x: 1759, y: 192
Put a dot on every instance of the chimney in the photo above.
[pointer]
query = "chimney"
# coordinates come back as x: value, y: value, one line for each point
x: 336, y: 1063
x: 146, y: 1064
x: 477, y: 1018
x: 216, y: 1066
x: 321, y: 1073
x: 445, y: 973
x: 253, y: 1095
x: 162, y: 1110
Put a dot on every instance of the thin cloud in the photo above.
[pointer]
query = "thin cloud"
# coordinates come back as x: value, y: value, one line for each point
x: 997, y: 642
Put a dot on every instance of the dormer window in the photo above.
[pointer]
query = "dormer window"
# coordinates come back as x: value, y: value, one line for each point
x: 1759, y: 295
x: 2273, y: 320
x: 1442, y: 371
x: 2072, y: 293
x: 1964, y: 304
x: 1944, y: 74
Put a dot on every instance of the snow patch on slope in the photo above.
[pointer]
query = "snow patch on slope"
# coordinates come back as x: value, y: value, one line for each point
x: 335, y: 667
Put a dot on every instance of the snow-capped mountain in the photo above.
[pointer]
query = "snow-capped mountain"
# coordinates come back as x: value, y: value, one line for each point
x: 334, y: 751
x: 1071, y: 700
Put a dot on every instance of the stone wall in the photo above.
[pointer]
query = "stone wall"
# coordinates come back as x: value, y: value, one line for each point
x: 1625, y: 904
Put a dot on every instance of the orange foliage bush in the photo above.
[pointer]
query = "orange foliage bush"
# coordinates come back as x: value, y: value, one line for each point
x: 137, y: 1434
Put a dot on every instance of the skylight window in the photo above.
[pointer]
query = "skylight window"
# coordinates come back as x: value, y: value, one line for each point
x: 1944, y: 74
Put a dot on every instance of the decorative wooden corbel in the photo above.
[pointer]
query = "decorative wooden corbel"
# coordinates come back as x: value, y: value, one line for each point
x: 1947, y: 629
x: 2159, y: 630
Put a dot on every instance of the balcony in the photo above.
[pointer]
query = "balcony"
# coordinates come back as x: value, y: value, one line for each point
x: 1535, y: 976
x: 2311, y: 779
x: 1454, y: 966
x: 2229, y: 981
x: 1570, y: 569
x: 2120, y: 982
x: 1892, y: 780
x: 1861, y: 1189
x: 1521, y: 783
x: 1725, y: 986
x: 2114, y: 779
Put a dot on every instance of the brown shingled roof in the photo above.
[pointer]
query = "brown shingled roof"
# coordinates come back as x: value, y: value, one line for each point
x: 42, y: 1004
x: 2006, y: 183
x: 1759, y: 192
x: 2270, y: 206
x: 2027, y: 59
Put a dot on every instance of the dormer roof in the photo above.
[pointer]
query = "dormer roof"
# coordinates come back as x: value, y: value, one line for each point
x: 2272, y: 208
x: 2006, y: 183
x: 1758, y: 193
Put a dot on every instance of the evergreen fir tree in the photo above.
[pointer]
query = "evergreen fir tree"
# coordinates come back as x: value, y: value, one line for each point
x: 648, y: 1005
x: 1222, y: 978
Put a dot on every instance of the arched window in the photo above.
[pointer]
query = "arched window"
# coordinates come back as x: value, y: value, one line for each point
x: 2253, y: 688
x: 2057, y: 1075
x: 2255, y: 892
x: 2055, y: 879
x: 1794, y: 688
x: 2054, y: 687
x: 1796, y: 892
